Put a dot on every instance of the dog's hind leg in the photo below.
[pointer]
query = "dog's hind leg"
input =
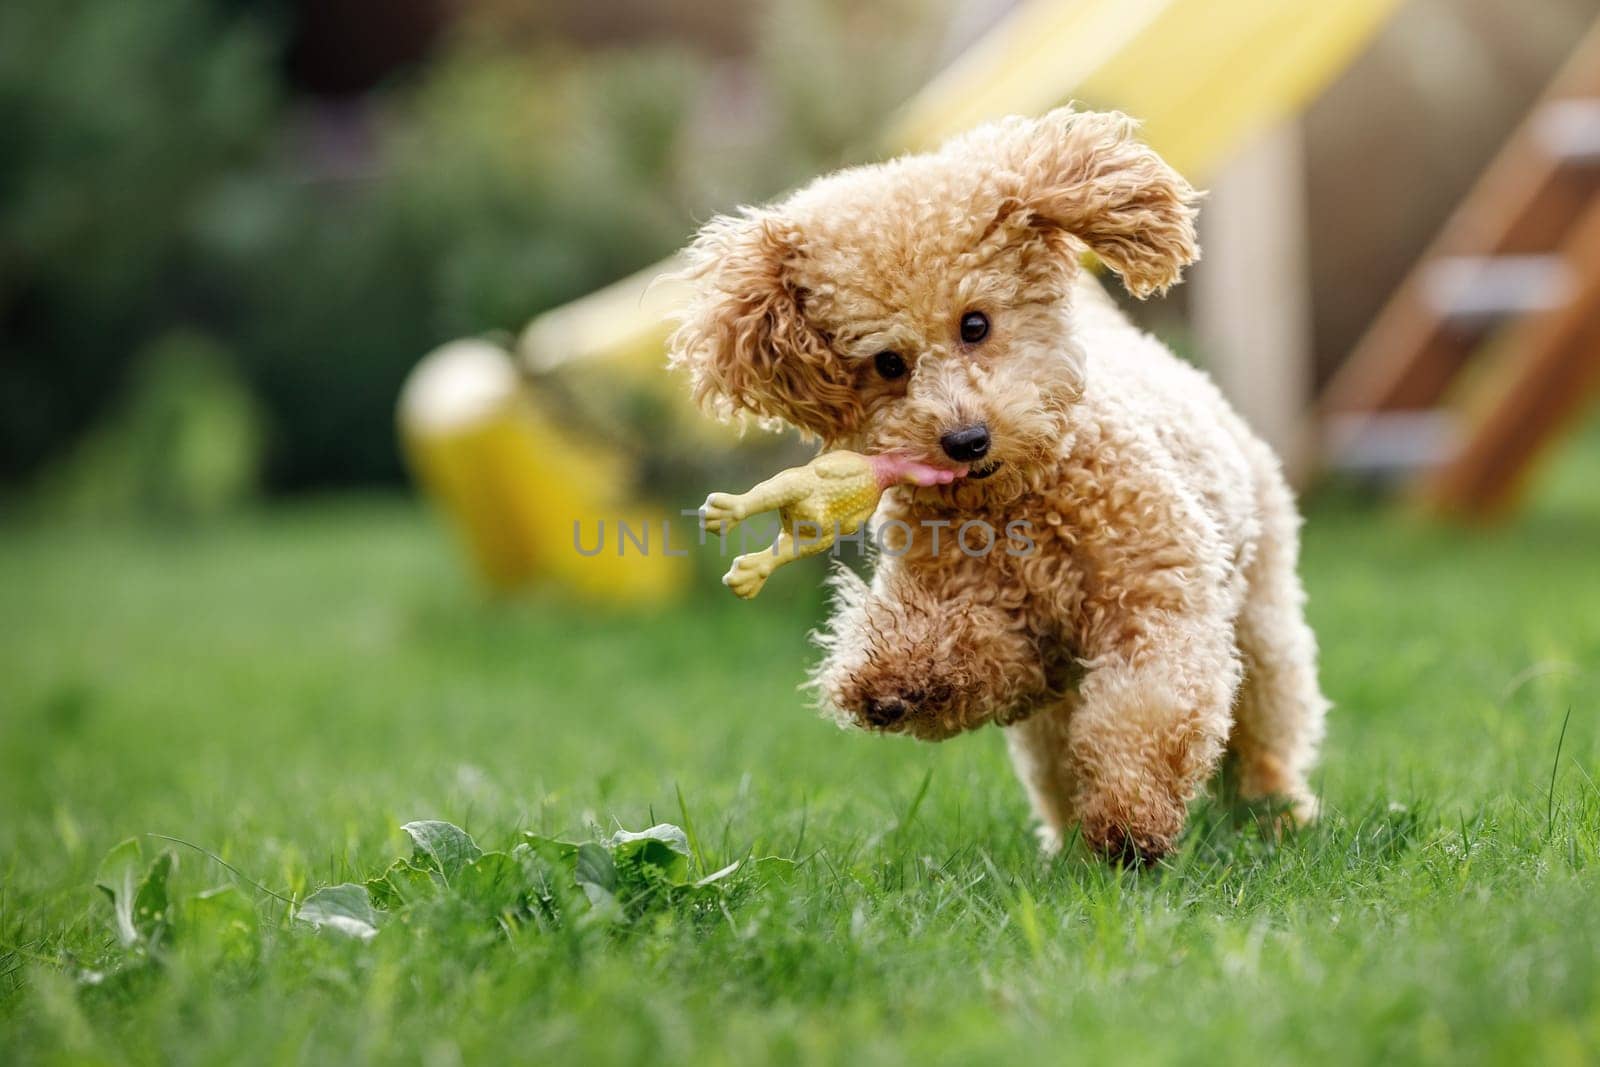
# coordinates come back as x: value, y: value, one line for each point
x: 1278, y: 720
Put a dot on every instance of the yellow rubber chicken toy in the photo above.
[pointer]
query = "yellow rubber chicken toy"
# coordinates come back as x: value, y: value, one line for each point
x: 833, y: 495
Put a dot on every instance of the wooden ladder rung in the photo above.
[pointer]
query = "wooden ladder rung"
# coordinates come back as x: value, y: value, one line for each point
x: 1391, y: 443
x: 1474, y: 290
x: 1569, y: 130
x: 1551, y: 369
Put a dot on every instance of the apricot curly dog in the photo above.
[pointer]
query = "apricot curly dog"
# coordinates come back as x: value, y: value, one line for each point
x: 933, y: 306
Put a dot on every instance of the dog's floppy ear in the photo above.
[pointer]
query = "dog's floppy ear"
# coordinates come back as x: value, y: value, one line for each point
x: 1085, y: 173
x: 744, y: 338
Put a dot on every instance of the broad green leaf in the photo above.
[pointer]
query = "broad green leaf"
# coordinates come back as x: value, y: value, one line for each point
x: 595, y: 872
x: 119, y: 876
x: 403, y: 883
x: 562, y: 854
x: 553, y: 861
x: 222, y: 922
x: 446, y: 846
x: 381, y: 892
x: 595, y: 867
x: 664, y: 847
x: 772, y: 869
x: 345, y: 908
x: 151, y: 904
x: 671, y: 836
x: 494, y: 880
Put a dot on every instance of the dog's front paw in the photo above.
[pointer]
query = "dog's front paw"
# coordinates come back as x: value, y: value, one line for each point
x: 1132, y: 832
x: 900, y: 660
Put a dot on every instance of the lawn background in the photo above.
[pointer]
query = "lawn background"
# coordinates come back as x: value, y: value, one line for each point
x: 288, y: 687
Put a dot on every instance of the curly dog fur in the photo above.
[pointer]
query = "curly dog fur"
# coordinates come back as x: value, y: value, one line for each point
x: 1157, y: 623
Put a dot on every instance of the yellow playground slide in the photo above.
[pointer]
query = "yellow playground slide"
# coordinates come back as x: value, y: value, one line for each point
x: 1202, y: 76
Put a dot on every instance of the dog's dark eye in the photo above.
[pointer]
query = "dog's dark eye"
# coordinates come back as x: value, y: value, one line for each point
x: 974, y: 327
x: 890, y: 365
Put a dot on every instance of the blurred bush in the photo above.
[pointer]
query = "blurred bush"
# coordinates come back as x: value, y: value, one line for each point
x: 159, y: 175
x: 499, y: 191
x: 184, y: 441
x: 117, y: 119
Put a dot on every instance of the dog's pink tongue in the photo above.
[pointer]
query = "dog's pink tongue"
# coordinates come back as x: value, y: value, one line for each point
x: 897, y: 470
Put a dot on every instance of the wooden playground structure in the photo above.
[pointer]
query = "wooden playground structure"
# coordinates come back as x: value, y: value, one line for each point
x: 1481, y: 357
x: 1491, y: 347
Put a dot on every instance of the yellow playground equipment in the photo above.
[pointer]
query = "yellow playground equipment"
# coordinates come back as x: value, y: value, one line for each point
x: 1202, y: 76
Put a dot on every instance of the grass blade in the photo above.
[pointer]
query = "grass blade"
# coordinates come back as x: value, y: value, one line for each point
x: 1550, y: 798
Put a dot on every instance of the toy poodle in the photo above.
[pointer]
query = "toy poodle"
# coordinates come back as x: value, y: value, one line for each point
x: 1142, y: 617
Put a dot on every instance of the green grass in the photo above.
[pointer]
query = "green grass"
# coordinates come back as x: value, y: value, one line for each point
x: 287, y: 689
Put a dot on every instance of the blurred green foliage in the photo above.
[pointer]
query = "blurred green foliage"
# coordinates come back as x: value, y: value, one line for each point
x: 117, y: 119
x: 159, y: 175
x: 183, y: 441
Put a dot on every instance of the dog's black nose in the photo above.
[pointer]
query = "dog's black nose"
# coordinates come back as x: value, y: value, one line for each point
x: 885, y: 712
x: 966, y: 444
